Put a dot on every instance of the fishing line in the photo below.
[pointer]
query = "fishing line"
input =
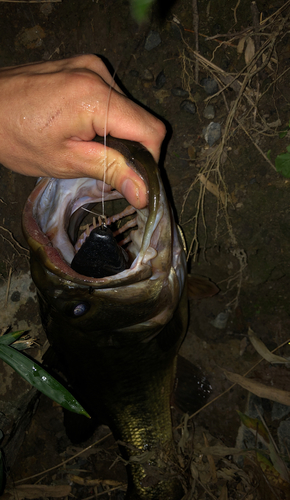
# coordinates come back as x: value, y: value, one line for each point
x: 94, y: 213
x: 105, y: 142
x: 106, y: 122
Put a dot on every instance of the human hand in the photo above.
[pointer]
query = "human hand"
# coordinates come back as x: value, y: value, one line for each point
x: 51, y: 111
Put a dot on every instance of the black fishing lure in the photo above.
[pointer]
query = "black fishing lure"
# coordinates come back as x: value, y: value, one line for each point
x: 100, y: 255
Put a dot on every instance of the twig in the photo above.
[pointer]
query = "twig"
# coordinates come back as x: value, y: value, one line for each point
x: 8, y: 287
x: 29, y: 1
x: 65, y: 461
x: 235, y: 11
x: 195, y: 26
x: 12, y: 237
x: 233, y: 385
x: 105, y: 492
x: 257, y: 146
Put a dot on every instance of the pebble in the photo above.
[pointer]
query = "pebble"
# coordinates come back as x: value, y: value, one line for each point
x: 212, y: 133
x: 179, y: 92
x: 188, y: 106
x: 279, y: 411
x: 209, y: 112
x: 134, y: 73
x: 147, y: 76
x: 209, y: 85
x: 221, y: 320
x: 15, y: 296
x: 152, y: 40
x: 160, y: 80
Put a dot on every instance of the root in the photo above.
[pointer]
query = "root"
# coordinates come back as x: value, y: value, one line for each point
x: 210, y: 177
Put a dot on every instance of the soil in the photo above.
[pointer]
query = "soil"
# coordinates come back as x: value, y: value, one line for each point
x: 243, y: 247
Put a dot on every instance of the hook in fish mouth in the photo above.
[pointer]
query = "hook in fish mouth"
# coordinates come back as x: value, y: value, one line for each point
x: 98, y: 253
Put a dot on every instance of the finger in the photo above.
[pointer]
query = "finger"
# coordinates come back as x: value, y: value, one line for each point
x: 127, y: 120
x: 89, y: 159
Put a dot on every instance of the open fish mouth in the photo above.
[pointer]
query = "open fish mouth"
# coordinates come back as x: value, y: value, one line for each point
x: 56, y: 208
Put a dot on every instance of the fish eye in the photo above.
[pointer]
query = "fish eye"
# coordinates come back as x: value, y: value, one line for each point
x: 80, y: 309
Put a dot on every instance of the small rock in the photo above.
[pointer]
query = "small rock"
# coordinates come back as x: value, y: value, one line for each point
x: 161, y: 94
x: 134, y: 73
x: 279, y: 411
x: 188, y: 143
x: 160, y: 80
x: 179, y: 92
x: 188, y: 106
x: 46, y: 8
x: 221, y: 320
x: 15, y: 296
x: 147, y: 76
x: 152, y: 40
x: 212, y: 133
x: 209, y: 112
x: 209, y: 85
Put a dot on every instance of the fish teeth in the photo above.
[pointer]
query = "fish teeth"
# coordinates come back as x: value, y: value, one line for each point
x: 103, y: 219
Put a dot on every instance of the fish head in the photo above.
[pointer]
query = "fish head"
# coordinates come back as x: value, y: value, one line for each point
x: 149, y: 290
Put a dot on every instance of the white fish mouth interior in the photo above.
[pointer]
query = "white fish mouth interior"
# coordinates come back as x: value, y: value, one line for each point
x: 123, y: 224
x: 59, y: 212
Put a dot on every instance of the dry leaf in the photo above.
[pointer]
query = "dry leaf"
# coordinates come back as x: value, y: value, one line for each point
x: 212, y: 188
x: 224, y: 493
x: 31, y: 491
x: 250, y: 50
x: 263, y: 350
x: 210, y: 461
x: 260, y: 390
x: 272, y: 59
x: 200, y: 287
x: 241, y: 44
x: 93, y: 482
x: 220, y: 451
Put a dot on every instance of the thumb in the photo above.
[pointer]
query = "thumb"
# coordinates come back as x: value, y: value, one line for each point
x: 109, y: 166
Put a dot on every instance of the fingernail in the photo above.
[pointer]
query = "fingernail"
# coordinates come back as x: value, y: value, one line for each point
x: 131, y: 192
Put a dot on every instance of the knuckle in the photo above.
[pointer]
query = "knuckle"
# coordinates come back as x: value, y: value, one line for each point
x: 87, y: 60
x: 161, y: 130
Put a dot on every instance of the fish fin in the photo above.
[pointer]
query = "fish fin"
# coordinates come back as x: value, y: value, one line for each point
x: 200, y: 287
x: 191, y: 388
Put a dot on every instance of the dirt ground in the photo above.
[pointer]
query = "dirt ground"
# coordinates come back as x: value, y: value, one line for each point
x: 230, y: 201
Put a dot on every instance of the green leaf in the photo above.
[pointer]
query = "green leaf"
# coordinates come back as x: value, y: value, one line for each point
x: 282, y: 164
x: 140, y: 9
x: 282, y: 134
x: 33, y: 373
x: 9, y: 338
x: 255, y: 425
x: 268, y: 154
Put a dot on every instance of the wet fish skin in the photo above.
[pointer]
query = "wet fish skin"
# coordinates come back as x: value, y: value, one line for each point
x: 119, y: 352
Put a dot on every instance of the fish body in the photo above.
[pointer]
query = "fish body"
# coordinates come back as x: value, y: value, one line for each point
x: 117, y: 337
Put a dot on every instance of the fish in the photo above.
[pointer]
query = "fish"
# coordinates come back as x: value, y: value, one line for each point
x: 117, y: 336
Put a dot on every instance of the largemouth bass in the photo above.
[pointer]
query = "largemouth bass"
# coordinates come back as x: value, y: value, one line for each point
x: 117, y: 336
